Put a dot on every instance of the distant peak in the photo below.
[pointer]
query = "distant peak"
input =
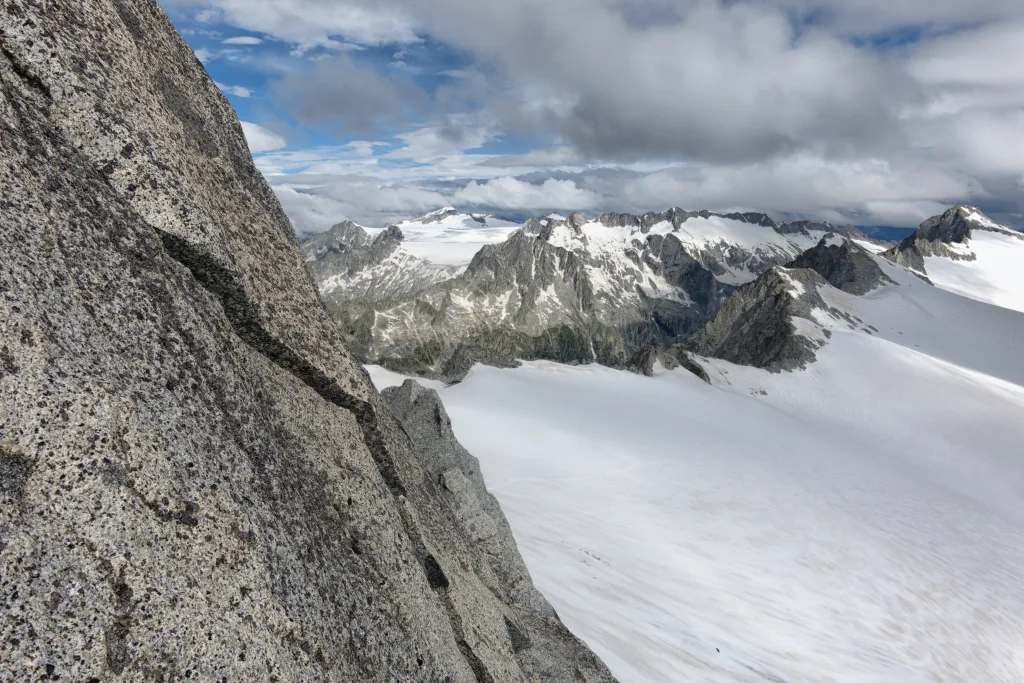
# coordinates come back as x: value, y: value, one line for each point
x: 391, y: 233
x: 576, y: 221
x: 973, y: 214
x: 437, y: 216
x: 833, y: 239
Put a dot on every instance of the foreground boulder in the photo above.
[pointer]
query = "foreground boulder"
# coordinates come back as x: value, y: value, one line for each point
x: 196, y: 479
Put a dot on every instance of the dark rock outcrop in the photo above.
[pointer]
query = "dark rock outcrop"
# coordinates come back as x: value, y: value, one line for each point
x: 946, y: 236
x: 678, y: 356
x: 843, y: 264
x: 197, y: 480
x: 758, y: 324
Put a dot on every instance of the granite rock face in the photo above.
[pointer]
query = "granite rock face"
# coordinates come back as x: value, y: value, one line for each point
x: 197, y: 481
x: 546, y: 650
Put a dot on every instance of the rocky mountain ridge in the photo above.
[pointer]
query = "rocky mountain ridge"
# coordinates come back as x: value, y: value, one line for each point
x: 449, y: 212
x: 778, y: 321
x: 197, y: 479
x: 574, y: 290
x: 348, y: 263
x: 946, y: 236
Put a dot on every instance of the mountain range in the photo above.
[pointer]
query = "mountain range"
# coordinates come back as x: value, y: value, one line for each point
x: 621, y: 290
x: 824, y: 481
x: 812, y: 473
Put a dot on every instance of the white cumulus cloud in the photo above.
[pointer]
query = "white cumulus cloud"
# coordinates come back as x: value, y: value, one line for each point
x: 242, y: 40
x: 236, y: 90
x: 260, y: 139
x: 515, y: 194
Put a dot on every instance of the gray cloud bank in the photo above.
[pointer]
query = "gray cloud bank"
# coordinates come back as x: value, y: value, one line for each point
x: 868, y: 109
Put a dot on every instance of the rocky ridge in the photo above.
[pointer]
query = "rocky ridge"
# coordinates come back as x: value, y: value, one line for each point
x: 423, y: 417
x: 197, y: 480
x: 843, y: 264
x: 348, y: 264
x: 945, y: 236
x: 448, y: 213
x: 769, y: 323
x: 574, y: 290
x: 778, y: 321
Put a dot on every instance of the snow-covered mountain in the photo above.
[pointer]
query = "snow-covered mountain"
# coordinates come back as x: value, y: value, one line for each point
x: 858, y: 518
x: 965, y: 252
x: 562, y: 288
x: 349, y: 264
x: 821, y: 479
x: 779, y: 320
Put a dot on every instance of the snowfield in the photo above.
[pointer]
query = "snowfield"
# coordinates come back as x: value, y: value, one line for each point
x: 996, y: 276
x: 454, y: 238
x: 860, y: 521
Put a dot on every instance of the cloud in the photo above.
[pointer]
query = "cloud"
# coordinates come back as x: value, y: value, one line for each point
x: 308, y: 23
x: 871, y: 17
x: 361, y: 200
x: 538, y: 158
x: 236, y: 90
x: 340, y: 94
x: 430, y: 143
x: 863, y: 191
x: 974, y: 114
x: 260, y: 139
x: 242, y: 40
x: 726, y: 82
x: 511, y: 193
x: 872, y: 111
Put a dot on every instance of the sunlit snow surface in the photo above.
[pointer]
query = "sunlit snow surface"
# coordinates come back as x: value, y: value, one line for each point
x: 861, y: 521
x: 455, y: 239
x: 995, y: 276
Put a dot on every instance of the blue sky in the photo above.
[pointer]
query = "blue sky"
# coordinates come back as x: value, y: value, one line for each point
x: 248, y: 64
x: 868, y: 112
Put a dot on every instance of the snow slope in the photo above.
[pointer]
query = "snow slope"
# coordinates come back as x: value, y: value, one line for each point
x: 861, y: 521
x: 996, y: 276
